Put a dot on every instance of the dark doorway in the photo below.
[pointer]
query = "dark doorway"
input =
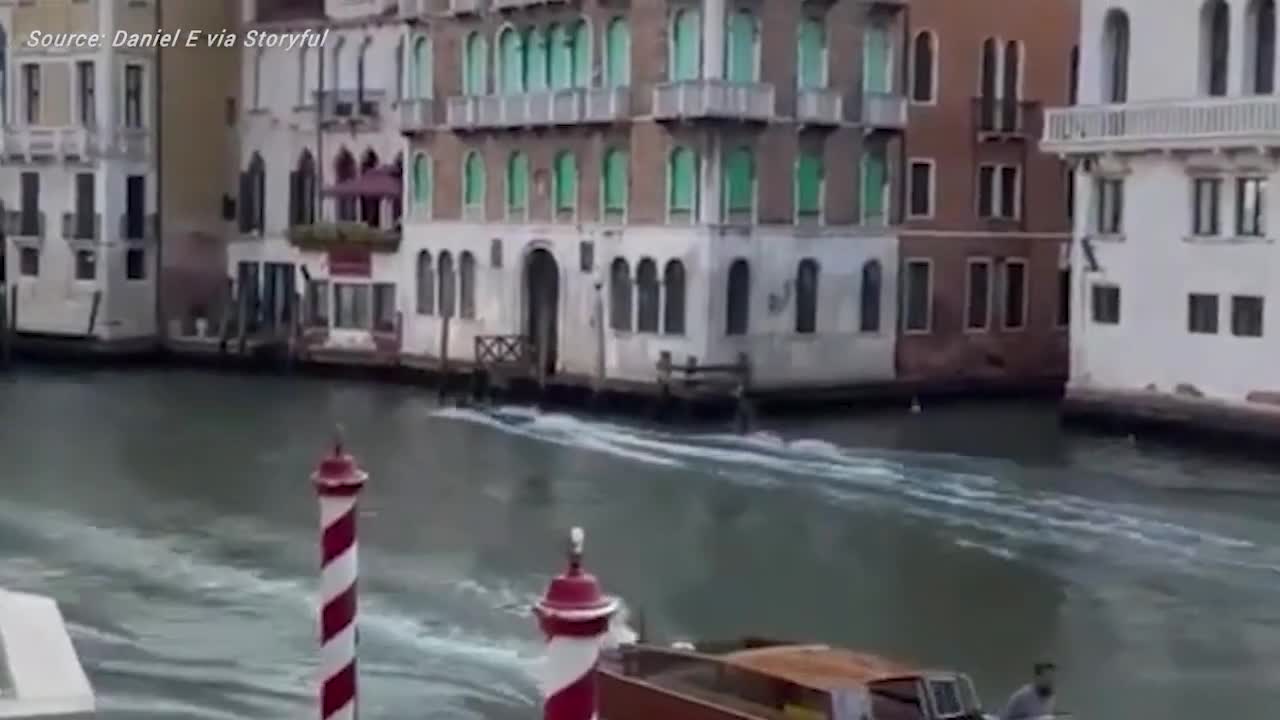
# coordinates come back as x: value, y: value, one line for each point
x: 542, y: 306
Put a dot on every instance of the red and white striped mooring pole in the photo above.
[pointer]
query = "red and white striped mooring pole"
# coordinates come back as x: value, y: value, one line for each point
x: 338, y: 482
x: 575, y: 616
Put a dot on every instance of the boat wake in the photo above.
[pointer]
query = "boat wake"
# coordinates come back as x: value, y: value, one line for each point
x: 982, y: 503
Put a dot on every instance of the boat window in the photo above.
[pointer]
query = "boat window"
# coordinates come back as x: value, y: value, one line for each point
x: 947, y: 697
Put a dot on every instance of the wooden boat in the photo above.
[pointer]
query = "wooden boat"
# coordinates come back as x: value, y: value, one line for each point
x: 757, y: 679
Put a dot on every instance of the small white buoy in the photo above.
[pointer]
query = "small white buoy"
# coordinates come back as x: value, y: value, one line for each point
x: 915, y: 406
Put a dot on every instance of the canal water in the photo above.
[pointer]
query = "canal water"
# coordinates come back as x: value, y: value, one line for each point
x: 171, y: 514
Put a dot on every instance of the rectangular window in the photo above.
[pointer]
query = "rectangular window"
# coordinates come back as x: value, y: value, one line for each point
x: 1015, y: 294
x: 986, y: 191
x: 318, y: 303
x: 977, y: 311
x: 135, y: 264
x: 1064, y: 297
x: 86, y: 265
x: 133, y: 96
x: 85, y: 207
x: 1246, y: 316
x: 135, y: 206
x: 921, y: 189
x: 1202, y: 314
x: 1106, y: 304
x: 999, y: 191
x: 384, y: 307
x: 351, y: 309
x: 1070, y: 183
x: 919, y: 296
x: 87, y: 92
x: 1010, y: 192
x: 31, y: 90
x: 30, y: 222
x: 1250, y: 206
x: 1109, y: 206
x: 1206, y: 194
x: 29, y: 262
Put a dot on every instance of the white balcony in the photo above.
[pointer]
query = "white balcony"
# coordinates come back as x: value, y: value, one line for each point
x: 537, y: 109
x: 353, y: 106
x: 884, y: 111
x: 417, y: 114
x: 819, y: 106
x: 1189, y: 124
x: 464, y: 7
x: 410, y: 9
x: 50, y: 144
x: 719, y: 99
x: 604, y: 105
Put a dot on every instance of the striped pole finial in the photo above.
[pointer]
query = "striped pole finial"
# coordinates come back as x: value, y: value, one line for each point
x: 338, y: 481
x: 574, y: 615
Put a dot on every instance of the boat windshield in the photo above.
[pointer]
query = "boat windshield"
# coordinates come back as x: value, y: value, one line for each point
x: 952, y: 696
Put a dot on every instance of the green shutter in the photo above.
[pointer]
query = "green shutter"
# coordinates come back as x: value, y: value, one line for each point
x: 566, y: 179
x: 561, y: 48
x: 682, y: 172
x: 535, y: 63
x: 741, y: 65
x: 812, y: 53
x: 421, y: 180
x: 875, y: 59
x: 873, y: 186
x: 739, y: 180
x: 511, y: 79
x: 615, y: 180
x: 618, y: 53
x: 421, y: 69
x: 808, y: 184
x: 473, y: 181
x: 475, y: 65
x: 517, y: 181
x: 686, y: 53
x: 581, y: 55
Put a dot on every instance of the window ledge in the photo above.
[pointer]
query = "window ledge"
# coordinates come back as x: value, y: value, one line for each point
x: 918, y: 332
x: 1107, y: 237
x: 1229, y: 240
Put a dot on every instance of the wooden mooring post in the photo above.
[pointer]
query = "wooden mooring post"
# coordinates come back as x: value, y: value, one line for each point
x: 442, y: 392
x: 6, y: 329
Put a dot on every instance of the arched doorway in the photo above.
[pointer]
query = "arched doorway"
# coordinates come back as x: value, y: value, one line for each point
x: 542, y: 306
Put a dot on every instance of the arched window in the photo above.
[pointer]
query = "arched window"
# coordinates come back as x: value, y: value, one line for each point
x: 334, y: 69
x: 473, y: 184
x: 673, y: 298
x: 467, y: 285
x: 739, y: 182
x: 620, y: 295
x: 559, y: 57
x: 1215, y: 46
x: 743, y: 47
x: 400, y: 82
x: 426, y: 284
x: 922, y: 67
x: 869, y: 300
x: 421, y: 70
x: 738, y: 298
x: 397, y: 200
x: 535, y: 60
x: 615, y: 180
x: 648, y: 296
x: 811, y: 51
x: 447, y: 283
x: 4, y: 74
x: 344, y: 168
x: 517, y: 184
x: 684, y: 61
x: 1073, y: 77
x: 257, y: 77
x: 617, y: 53
x: 370, y: 205
x: 362, y: 61
x: 807, y: 296
x: 304, y: 73
x: 511, y: 73
x: 302, y: 191
x: 474, y: 70
x: 565, y: 182
x: 1115, y: 55
x: 682, y: 182
x: 1260, y: 38
x: 253, y: 196
x: 808, y: 185
x: 420, y: 184
x: 580, y: 58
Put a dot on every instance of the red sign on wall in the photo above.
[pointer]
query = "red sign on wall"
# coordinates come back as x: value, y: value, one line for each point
x: 350, y: 262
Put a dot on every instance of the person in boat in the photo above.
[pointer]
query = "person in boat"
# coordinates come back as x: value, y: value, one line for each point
x: 1036, y: 698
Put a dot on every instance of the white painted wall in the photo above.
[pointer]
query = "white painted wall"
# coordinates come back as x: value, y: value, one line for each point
x: 1156, y: 268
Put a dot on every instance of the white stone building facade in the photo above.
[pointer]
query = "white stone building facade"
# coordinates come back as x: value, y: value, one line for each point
x: 1176, y: 143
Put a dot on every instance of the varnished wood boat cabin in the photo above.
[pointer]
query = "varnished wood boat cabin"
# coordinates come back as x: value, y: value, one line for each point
x: 768, y: 680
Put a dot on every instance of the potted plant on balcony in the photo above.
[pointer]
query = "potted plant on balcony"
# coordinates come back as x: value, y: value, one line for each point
x: 331, y: 235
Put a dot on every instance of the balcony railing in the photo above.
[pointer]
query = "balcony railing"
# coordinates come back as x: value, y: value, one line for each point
x: 1207, y: 123
x: 719, y: 99
x: 884, y: 111
x: 24, y: 225
x: 82, y: 226
x: 1005, y: 117
x: 555, y: 107
x: 417, y: 114
x: 141, y: 228
x: 602, y: 105
x: 414, y: 8
x: 45, y: 143
x: 819, y: 106
x: 361, y: 104
x: 465, y: 7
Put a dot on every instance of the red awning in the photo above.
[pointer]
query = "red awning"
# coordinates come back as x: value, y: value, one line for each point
x: 379, y: 182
